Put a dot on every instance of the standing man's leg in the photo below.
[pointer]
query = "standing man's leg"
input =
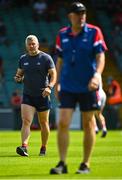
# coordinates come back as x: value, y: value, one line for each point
x: 43, y: 118
x: 27, y: 113
x: 89, y: 136
x: 88, y: 140
x: 65, y: 116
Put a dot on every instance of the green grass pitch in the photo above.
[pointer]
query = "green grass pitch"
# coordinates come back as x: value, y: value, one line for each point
x: 106, y: 162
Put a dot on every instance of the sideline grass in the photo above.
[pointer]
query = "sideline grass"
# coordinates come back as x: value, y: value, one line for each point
x: 106, y: 160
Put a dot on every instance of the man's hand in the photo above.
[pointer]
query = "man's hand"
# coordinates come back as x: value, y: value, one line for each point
x: 93, y: 84
x: 18, y: 79
x: 46, y: 92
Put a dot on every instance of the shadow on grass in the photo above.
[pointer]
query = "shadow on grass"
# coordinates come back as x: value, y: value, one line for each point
x: 9, y: 155
x: 30, y: 176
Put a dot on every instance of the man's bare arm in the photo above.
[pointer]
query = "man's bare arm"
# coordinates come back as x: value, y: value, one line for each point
x: 94, y: 82
x: 53, y: 77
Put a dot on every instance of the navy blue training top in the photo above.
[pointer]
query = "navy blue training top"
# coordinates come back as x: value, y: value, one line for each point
x: 79, y: 56
x: 35, y: 72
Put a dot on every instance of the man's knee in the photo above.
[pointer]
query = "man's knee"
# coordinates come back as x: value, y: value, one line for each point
x: 63, y: 124
x: 26, y: 122
x: 88, y: 120
x: 44, y: 123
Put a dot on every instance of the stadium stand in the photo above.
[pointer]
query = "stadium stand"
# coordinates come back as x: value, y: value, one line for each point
x: 109, y: 16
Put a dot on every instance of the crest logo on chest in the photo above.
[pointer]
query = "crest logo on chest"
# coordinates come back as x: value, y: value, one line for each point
x: 26, y: 64
x: 38, y: 63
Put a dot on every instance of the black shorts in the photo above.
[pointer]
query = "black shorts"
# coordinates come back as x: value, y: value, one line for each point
x: 87, y: 101
x: 39, y: 102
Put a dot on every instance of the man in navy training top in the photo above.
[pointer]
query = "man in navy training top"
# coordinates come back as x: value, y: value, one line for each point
x: 80, y: 63
x: 34, y: 70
